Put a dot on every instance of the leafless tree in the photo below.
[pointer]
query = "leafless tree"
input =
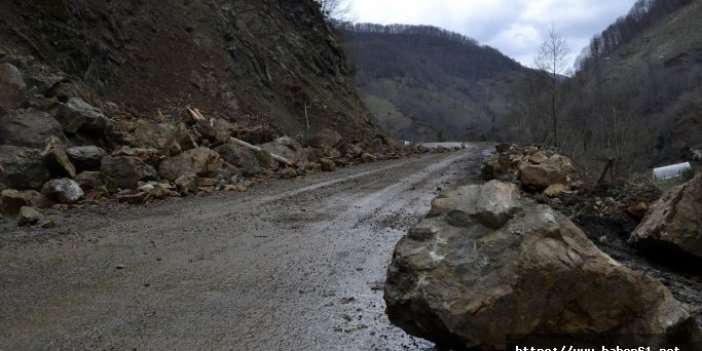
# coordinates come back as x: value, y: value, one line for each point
x: 552, y: 61
x: 336, y: 9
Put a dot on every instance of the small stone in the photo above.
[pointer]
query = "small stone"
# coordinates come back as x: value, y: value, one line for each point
x: 63, y: 191
x: 28, y: 216
x: 139, y: 198
x: 328, y: 165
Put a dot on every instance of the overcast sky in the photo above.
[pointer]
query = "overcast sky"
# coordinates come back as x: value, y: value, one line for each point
x: 515, y: 27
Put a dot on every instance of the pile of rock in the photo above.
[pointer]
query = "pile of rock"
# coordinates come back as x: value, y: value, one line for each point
x: 535, y: 169
x: 56, y: 148
x: 487, y: 264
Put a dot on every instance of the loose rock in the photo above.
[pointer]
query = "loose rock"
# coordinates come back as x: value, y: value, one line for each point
x: 86, y: 158
x: 63, y: 191
x: 28, y: 216
x: 126, y: 171
x: 488, y: 264
x: 200, y: 161
x: 13, y: 89
x: 28, y: 128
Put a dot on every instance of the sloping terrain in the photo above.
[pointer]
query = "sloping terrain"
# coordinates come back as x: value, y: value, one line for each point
x: 427, y: 84
x: 269, y: 62
x: 642, y: 102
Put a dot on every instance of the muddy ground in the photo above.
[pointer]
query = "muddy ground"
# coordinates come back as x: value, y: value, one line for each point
x: 294, y: 265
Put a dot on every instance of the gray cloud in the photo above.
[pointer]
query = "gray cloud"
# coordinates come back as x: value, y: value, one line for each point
x: 515, y: 27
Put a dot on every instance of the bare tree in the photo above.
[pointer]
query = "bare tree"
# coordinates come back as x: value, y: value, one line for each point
x: 552, y: 61
x: 336, y: 9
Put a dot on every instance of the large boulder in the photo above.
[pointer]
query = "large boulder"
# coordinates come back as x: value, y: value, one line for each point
x: 160, y: 136
x: 539, y: 171
x: 487, y: 264
x: 13, y: 89
x: 200, y: 161
x: 324, y: 138
x: 78, y: 117
x: 285, y: 147
x: 22, y: 168
x: 533, y: 168
x: 63, y: 191
x: 30, y: 128
x: 674, y: 221
x: 86, y: 158
x: 242, y: 158
x: 126, y: 171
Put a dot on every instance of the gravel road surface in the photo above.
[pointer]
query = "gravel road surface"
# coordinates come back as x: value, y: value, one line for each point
x: 292, y: 265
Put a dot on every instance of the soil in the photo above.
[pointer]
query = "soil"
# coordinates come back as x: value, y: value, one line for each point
x: 294, y: 265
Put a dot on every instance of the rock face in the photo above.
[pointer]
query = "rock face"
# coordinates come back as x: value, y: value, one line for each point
x: 29, y: 128
x: 63, y: 191
x: 13, y: 90
x: 674, y: 221
x: 487, y: 264
x: 21, y: 168
x: 126, y: 171
x: 200, y: 161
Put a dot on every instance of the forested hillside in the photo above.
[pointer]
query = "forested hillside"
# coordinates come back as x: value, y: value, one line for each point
x: 637, y: 94
x: 424, y: 83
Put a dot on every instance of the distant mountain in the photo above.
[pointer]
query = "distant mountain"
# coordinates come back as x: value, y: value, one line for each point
x: 425, y: 83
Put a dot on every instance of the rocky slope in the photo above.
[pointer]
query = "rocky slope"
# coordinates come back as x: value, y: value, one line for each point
x: 273, y: 62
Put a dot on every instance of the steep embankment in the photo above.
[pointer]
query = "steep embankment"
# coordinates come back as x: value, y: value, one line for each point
x: 260, y: 62
x: 424, y: 83
x: 643, y: 96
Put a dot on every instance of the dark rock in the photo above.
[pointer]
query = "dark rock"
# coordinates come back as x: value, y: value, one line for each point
x: 86, y: 158
x: 327, y: 165
x: 324, y: 138
x: 63, y: 191
x: 29, y: 128
x: 57, y: 160
x: 285, y: 147
x: 78, y: 117
x: 126, y: 171
x: 487, y: 265
x: 13, y: 90
x: 288, y: 173
x: 90, y: 180
x: 199, y: 161
x: 22, y: 168
x: 160, y: 136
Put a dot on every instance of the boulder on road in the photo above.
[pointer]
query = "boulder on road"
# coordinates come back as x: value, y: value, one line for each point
x: 22, y: 168
x: 328, y: 165
x: 29, y: 128
x: 540, y: 173
x: 11, y: 201
x: 674, y: 221
x: 28, y: 216
x: 487, y: 264
x: 63, y: 191
x: 160, y: 136
x: 126, y: 171
x: 13, y: 89
x: 285, y: 147
x: 200, y: 161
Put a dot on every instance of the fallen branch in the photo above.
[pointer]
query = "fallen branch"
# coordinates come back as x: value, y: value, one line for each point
x: 195, y: 114
x: 282, y: 160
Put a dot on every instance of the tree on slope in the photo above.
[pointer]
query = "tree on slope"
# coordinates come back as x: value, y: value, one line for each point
x: 552, y: 61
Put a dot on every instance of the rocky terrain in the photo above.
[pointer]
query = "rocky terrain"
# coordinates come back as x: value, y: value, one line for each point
x: 507, y: 260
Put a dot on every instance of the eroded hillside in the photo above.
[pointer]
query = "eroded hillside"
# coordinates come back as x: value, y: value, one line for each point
x: 261, y: 62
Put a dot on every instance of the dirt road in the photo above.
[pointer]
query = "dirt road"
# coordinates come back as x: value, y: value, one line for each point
x: 294, y: 265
